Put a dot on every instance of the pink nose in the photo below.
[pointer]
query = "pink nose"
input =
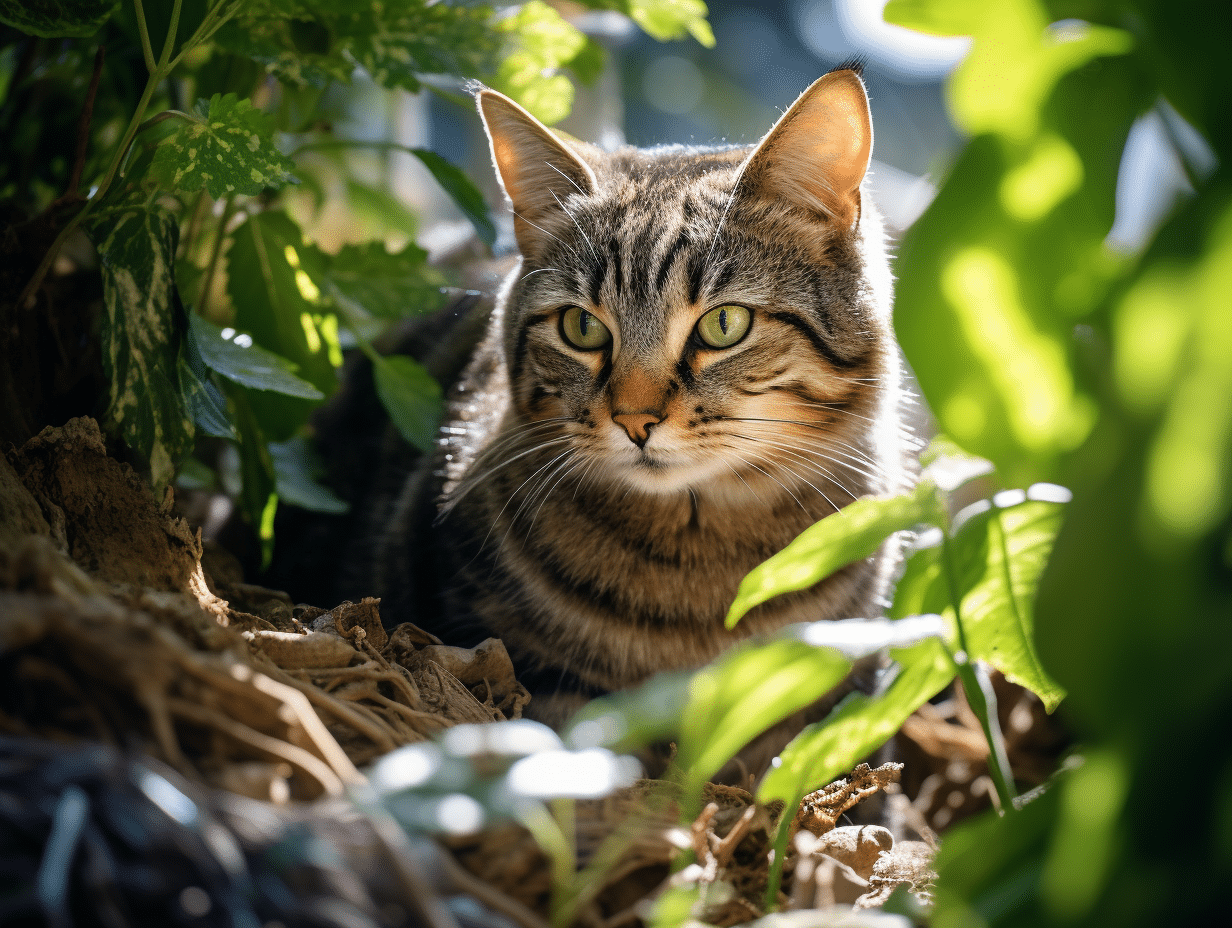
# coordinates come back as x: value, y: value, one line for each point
x: 636, y: 425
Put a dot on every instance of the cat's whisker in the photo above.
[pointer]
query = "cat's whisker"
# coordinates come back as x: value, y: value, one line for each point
x: 512, y: 496
x: 786, y: 489
x: 810, y: 464
x: 470, y: 483
x: 573, y: 218
x: 540, y: 270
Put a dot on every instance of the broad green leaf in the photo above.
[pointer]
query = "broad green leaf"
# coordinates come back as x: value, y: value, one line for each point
x: 854, y: 532
x: 388, y: 285
x: 136, y: 241
x: 1000, y: 555
x: 297, y: 472
x: 462, y: 191
x: 246, y: 364
x: 746, y: 692
x: 205, y: 402
x: 411, y: 397
x: 858, y: 726
x: 539, y: 41
x: 57, y: 19
x: 225, y: 145
x: 380, y: 210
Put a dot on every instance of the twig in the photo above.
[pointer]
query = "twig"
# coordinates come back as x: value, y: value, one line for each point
x: 83, y: 126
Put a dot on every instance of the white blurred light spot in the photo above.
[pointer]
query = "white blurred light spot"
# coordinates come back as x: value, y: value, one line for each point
x: 1049, y: 493
x: 673, y: 84
x: 516, y: 738
x: 836, y: 29
x: 406, y: 768
x: 856, y: 638
x: 164, y: 795
x: 195, y: 902
x: 1007, y: 498
x: 593, y: 733
x: 575, y: 774
x: 244, y: 341
x: 228, y: 333
x: 459, y: 814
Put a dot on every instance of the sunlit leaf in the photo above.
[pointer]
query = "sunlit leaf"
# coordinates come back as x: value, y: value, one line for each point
x: 858, y: 726
x: 672, y: 19
x: 224, y: 145
x: 852, y: 533
x: 632, y: 718
x: 539, y: 42
x: 55, y: 19
x: 249, y: 365
x: 136, y: 241
x: 743, y: 694
x: 411, y: 397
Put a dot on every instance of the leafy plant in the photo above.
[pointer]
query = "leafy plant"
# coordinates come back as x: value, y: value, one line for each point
x: 195, y: 195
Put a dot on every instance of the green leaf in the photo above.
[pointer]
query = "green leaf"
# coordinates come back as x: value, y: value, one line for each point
x: 1000, y: 555
x: 258, y: 499
x: 854, y: 532
x: 297, y: 472
x: 224, y: 145
x: 246, y: 364
x: 744, y: 693
x: 463, y: 193
x: 380, y: 210
x: 391, y: 286
x: 858, y: 725
x: 539, y: 41
x: 633, y: 718
x: 411, y: 397
x: 56, y: 19
x: 205, y: 402
x: 672, y: 19
x: 136, y: 241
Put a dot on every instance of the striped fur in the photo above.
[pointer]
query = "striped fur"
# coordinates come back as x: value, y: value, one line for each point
x: 597, y: 559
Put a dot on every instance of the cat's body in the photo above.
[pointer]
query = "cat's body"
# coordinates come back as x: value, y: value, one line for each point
x: 692, y: 363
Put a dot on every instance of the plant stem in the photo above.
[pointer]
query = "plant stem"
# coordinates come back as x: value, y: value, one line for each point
x: 146, y: 49
x: 998, y: 763
x: 207, y: 282
x: 83, y: 126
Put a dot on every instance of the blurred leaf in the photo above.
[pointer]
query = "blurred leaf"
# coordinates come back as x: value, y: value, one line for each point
x: 672, y: 19
x: 297, y: 472
x: 462, y: 191
x: 392, y: 286
x: 744, y: 693
x: 632, y: 718
x: 378, y: 206
x: 258, y: 499
x: 250, y: 366
x: 539, y: 42
x: 55, y: 19
x: 589, y: 62
x: 1000, y: 555
x: 852, y: 533
x: 224, y: 145
x: 206, y: 403
x: 136, y: 241
x: 858, y: 725
x: 411, y: 397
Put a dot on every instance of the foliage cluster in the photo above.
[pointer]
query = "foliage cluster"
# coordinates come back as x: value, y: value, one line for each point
x: 1040, y: 346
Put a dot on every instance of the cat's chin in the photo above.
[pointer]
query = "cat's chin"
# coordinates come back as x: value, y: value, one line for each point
x: 661, y: 475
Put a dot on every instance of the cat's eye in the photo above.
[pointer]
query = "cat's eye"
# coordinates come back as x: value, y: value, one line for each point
x: 723, y: 326
x: 583, y: 330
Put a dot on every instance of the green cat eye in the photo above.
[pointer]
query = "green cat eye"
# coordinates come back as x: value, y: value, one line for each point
x: 723, y: 326
x: 583, y: 330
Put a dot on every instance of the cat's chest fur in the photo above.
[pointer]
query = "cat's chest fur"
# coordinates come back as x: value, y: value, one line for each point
x: 693, y: 362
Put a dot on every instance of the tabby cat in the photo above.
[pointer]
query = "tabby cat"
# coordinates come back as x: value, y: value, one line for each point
x: 692, y: 363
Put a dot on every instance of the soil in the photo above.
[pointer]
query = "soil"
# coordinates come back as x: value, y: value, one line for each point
x: 130, y: 650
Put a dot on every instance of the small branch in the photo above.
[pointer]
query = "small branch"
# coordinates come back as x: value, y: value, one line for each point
x: 83, y: 126
x: 169, y: 44
x: 207, y: 282
x: 146, y: 49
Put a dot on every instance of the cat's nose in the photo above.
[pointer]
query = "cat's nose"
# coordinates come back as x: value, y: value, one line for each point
x: 636, y: 425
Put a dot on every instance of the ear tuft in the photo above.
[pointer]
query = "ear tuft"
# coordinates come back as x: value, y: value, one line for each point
x: 536, y: 169
x: 818, y: 152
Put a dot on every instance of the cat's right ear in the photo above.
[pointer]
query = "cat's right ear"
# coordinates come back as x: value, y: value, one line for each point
x: 537, y: 169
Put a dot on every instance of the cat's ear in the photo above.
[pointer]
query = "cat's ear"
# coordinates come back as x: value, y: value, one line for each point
x: 537, y: 170
x: 818, y: 152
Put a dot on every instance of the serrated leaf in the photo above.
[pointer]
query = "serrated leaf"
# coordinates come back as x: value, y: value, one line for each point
x: 854, y: 532
x: 297, y: 472
x: 388, y: 285
x: 224, y: 145
x: 57, y: 19
x: 136, y: 241
x: 744, y: 693
x: 462, y: 191
x: 1000, y: 556
x: 857, y: 726
x: 411, y: 397
x: 246, y: 364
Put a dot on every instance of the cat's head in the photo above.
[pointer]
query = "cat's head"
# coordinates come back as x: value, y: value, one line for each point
x: 701, y: 319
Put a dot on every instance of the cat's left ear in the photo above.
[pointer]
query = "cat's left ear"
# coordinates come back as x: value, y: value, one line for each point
x: 537, y: 169
x: 818, y: 152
